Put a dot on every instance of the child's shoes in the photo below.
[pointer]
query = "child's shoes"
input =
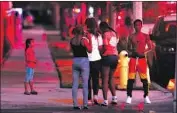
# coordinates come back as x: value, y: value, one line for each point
x: 26, y: 93
x: 34, y: 93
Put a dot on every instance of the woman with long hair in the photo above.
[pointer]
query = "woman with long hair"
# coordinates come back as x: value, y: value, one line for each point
x: 94, y: 58
x: 80, y: 45
x: 109, y: 61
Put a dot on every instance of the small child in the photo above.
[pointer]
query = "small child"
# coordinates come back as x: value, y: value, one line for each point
x: 30, y: 65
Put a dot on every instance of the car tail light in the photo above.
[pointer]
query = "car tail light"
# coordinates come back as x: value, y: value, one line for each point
x: 168, y: 49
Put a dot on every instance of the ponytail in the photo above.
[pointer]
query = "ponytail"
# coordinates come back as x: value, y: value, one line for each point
x: 28, y: 42
x: 112, y: 29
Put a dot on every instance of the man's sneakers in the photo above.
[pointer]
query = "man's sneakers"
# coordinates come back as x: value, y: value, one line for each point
x: 129, y: 100
x: 146, y: 100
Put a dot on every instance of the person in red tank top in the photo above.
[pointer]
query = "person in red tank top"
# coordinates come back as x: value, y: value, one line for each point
x: 110, y: 40
x: 30, y: 65
x: 109, y: 61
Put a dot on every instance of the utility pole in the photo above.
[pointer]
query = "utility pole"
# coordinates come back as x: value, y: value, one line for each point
x: 111, y: 13
x: 56, y: 14
x: 174, y: 101
x: 2, y: 12
x: 138, y: 10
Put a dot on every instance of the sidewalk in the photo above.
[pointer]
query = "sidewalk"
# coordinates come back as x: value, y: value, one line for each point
x: 13, y: 71
x: 51, y: 96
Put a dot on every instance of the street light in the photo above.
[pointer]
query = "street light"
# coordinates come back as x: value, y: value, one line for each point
x: 91, y: 11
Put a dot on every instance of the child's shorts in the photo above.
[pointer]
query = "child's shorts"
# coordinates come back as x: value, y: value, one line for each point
x: 29, y: 74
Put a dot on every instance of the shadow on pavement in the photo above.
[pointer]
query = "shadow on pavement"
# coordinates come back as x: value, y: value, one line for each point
x: 157, y: 108
x: 94, y: 109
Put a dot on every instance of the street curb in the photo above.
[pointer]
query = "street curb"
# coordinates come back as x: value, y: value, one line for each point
x: 160, y: 88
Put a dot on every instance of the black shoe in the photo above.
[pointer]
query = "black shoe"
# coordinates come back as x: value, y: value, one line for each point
x: 114, y: 103
x: 85, y: 107
x: 95, y: 102
x: 26, y: 93
x: 34, y: 93
x: 77, y: 108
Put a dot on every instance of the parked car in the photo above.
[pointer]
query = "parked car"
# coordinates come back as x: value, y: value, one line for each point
x: 164, y: 35
x: 28, y: 19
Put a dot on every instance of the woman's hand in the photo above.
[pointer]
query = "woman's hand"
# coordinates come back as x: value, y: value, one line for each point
x: 87, y: 43
x: 68, y: 48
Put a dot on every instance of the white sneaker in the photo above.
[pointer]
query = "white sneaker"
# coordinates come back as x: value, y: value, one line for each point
x: 129, y: 100
x: 147, y: 100
x: 105, y: 103
x: 114, y: 100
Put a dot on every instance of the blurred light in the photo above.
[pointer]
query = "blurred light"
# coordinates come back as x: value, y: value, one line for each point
x: 172, y: 11
x: 91, y: 10
x: 119, y: 17
x: 10, y: 4
x: 99, y: 11
x: 171, y: 2
x: 107, y: 20
x: 99, y: 21
x: 19, y: 10
x: 76, y: 10
x: 49, y: 12
x: 173, y: 14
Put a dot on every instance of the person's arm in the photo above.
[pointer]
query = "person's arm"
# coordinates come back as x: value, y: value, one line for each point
x: 149, y: 44
x: 105, y: 43
x: 87, y: 42
x: 100, y: 42
x: 68, y: 47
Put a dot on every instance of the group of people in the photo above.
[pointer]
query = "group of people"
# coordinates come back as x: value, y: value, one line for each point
x: 95, y: 53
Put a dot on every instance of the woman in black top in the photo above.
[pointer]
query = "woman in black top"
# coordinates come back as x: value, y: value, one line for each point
x: 80, y: 46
